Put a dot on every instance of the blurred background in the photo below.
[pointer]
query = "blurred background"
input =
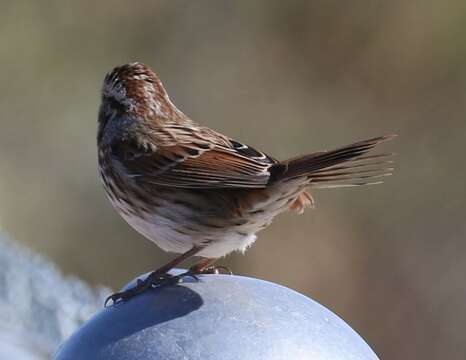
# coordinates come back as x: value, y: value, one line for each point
x: 288, y: 77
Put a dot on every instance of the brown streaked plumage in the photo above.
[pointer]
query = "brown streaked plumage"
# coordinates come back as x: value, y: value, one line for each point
x: 194, y: 191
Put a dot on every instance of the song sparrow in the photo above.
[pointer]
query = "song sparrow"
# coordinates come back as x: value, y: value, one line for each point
x: 194, y: 191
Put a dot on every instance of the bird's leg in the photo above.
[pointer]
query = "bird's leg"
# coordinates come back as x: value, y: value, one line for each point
x: 156, y: 278
x: 206, y: 266
x: 175, y: 262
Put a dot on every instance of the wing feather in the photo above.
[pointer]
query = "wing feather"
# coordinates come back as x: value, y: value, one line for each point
x: 199, y: 164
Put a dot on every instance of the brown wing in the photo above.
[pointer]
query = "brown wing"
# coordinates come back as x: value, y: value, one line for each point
x: 201, y: 164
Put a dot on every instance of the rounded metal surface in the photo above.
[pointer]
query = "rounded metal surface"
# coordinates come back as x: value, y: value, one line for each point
x: 217, y: 317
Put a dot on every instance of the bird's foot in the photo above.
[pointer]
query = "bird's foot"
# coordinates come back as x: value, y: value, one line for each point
x: 214, y: 269
x: 155, y: 279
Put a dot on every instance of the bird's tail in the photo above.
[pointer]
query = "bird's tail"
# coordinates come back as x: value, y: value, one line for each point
x: 346, y: 166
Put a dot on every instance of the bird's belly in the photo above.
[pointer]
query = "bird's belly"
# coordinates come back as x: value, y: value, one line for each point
x: 180, y: 236
x: 177, y: 225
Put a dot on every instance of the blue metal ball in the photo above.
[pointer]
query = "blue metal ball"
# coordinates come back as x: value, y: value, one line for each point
x: 218, y: 317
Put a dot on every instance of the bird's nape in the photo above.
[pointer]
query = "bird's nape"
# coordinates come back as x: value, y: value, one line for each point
x: 135, y: 88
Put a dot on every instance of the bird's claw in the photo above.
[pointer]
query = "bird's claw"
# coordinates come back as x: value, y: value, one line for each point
x: 210, y: 270
x: 217, y: 269
x: 118, y: 298
x: 154, y: 280
x: 188, y: 273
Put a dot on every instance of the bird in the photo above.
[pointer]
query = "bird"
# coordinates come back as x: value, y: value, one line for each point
x: 196, y: 192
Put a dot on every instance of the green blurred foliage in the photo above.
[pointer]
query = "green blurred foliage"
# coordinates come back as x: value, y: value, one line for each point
x: 289, y: 77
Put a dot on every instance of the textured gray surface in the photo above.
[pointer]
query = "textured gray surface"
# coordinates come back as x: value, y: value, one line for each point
x: 39, y: 307
x: 219, y: 317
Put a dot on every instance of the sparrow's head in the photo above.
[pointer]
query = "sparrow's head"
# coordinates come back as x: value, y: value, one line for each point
x: 134, y: 91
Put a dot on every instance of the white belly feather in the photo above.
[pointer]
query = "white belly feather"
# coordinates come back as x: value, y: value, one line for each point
x: 167, y: 226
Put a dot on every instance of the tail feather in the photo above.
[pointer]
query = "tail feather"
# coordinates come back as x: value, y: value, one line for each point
x: 346, y: 166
